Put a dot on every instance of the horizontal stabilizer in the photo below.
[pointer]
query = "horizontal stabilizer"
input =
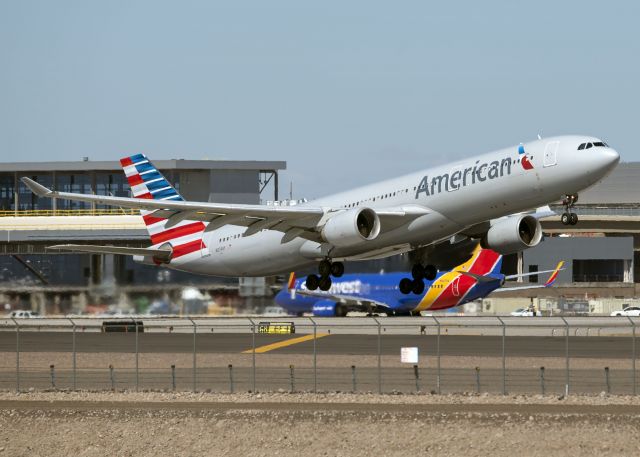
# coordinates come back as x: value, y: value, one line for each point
x: 162, y: 255
x: 479, y: 278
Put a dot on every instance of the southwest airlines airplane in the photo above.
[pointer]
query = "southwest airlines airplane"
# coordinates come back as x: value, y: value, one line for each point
x: 473, y: 279
x: 485, y: 198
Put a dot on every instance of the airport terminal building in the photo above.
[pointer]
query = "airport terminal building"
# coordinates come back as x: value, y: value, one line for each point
x: 28, y: 224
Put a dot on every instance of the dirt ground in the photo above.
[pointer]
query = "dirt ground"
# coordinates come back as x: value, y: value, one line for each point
x: 163, y: 424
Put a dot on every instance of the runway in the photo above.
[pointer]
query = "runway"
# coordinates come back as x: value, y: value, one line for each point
x: 333, y: 344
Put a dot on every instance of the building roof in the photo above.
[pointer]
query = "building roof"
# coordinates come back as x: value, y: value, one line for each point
x: 173, y: 164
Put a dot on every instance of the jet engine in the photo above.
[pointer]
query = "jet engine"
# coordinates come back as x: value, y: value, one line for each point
x: 328, y: 308
x: 352, y: 227
x: 513, y: 234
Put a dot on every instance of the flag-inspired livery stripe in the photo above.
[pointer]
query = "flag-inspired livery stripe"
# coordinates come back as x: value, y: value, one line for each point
x: 452, y: 287
x: 148, y: 183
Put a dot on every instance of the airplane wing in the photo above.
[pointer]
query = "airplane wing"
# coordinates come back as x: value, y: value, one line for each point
x: 351, y: 300
x: 304, y: 221
x: 161, y: 254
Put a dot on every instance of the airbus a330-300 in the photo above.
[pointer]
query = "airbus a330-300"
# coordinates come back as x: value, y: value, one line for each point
x: 485, y: 197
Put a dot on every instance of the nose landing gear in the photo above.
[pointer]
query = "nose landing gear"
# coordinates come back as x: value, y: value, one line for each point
x: 419, y: 273
x: 569, y: 217
x: 326, y: 269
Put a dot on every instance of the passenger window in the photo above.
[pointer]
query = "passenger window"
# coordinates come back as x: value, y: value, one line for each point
x: 581, y: 147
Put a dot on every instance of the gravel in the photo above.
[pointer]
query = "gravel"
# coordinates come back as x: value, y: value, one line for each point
x: 130, y: 429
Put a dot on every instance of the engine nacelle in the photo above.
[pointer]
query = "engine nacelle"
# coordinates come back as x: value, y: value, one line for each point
x: 513, y: 234
x: 328, y: 308
x: 352, y: 227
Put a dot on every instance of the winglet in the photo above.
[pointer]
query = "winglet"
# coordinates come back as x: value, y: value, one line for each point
x: 36, y: 188
x: 292, y: 281
x: 554, y: 275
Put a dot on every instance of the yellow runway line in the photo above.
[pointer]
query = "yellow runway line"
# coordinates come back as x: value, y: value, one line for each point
x: 281, y: 344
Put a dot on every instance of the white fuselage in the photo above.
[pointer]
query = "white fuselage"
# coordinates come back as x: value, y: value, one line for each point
x: 458, y: 195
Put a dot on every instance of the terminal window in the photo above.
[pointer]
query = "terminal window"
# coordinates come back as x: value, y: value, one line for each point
x: 598, y: 270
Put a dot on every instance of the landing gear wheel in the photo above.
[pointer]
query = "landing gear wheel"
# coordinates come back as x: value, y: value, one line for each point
x: 324, y: 268
x: 418, y: 287
x: 417, y: 271
x: 325, y: 283
x: 573, y: 218
x: 406, y: 286
x: 312, y: 282
x: 337, y: 269
x: 430, y: 272
x: 565, y: 218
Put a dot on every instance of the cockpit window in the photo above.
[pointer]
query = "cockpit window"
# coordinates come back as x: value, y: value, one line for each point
x: 601, y: 144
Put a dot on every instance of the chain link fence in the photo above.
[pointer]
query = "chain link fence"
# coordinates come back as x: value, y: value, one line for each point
x: 541, y: 355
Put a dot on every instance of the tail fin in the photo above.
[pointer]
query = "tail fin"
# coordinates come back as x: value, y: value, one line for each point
x: 147, y: 182
x: 291, y: 284
x: 483, y: 262
x: 554, y: 275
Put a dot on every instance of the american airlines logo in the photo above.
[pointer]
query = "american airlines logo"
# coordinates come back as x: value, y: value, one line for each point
x: 480, y: 172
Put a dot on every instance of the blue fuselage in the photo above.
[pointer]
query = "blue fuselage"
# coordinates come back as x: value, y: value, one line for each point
x: 377, y: 287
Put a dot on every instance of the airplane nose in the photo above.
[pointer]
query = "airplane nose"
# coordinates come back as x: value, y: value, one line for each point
x: 609, y: 157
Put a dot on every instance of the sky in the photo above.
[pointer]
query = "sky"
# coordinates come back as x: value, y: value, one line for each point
x: 346, y: 92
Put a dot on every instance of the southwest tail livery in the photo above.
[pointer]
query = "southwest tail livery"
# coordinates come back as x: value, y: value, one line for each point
x: 472, y: 280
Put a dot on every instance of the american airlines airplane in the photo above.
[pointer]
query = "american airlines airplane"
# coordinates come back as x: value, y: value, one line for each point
x: 485, y: 198
x: 474, y: 279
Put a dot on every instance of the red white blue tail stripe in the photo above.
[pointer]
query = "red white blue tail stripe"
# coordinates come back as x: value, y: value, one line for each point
x: 148, y: 183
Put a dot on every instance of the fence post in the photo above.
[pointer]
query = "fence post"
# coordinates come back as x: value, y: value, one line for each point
x: 253, y: 355
x: 437, y: 355
x: 17, y: 354
x: 633, y: 355
x: 113, y: 378
x: 73, y: 348
x: 566, y: 353
x: 542, y: 380
x: 230, y: 378
x: 53, y: 376
x: 504, y: 356
x: 315, y: 358
x: 379, y: 356
x: 353, y: 378
x: 606, y: 379
x: 416, y: 373
x: 194, y: 354
x: 477, y: 379
x: 173, y: 377
x: 135, y: 323
x: 292, y: 378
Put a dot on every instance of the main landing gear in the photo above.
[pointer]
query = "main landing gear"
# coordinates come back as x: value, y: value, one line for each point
x: 326, y: 269
x: 419, y: 274
x: 569, y: 217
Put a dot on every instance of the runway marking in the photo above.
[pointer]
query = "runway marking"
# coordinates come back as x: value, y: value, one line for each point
x: 281, y: 344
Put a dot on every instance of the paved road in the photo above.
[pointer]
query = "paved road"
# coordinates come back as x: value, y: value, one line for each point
x: 462, y: 345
